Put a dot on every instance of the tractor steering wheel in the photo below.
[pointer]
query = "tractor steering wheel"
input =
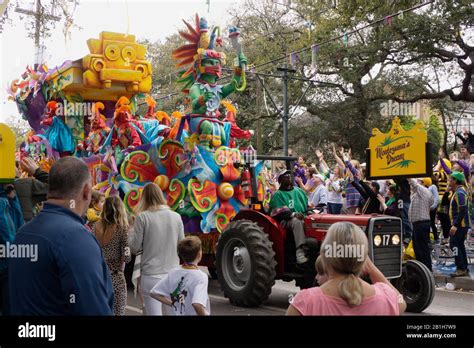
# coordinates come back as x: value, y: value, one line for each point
x: 320, y: 210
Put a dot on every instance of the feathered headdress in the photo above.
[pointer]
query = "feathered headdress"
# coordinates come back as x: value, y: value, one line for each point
x: 200, y: 46
x: 52, y: 105
x: 97, y: 119
x: 229, y: 106
x: 123, y: 105
x: 163, y: 117
x: 151, y: 106
x: 177, y: 121
x: 96, y: 108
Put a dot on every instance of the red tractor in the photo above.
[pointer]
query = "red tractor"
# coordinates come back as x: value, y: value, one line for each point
x: 254, y: 250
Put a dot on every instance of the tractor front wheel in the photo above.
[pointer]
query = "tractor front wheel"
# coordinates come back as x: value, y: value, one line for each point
x: 245, y: 263
x: 417, y: 286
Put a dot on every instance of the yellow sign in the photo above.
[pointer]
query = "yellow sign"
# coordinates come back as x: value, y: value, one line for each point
x: 398, y: 153
x: 7, y: 154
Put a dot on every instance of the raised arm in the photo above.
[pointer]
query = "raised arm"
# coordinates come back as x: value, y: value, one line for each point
x: 355, y: 172
x: 465, y: 168
x: 306, y: 187
x: 236, y: 79
x: 458, y: 135
x: 377, y: 277
x: 337, y: 158
x: 324, y: 168
x: 445, y: 167
x: 358, y: 186
x: 369, y: 191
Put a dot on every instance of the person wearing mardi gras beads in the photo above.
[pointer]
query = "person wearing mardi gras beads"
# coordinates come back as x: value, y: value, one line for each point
x: 200, y: 81
x: 58, y: 133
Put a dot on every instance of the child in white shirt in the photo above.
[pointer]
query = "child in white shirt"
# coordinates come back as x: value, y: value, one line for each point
x: 184, y: 289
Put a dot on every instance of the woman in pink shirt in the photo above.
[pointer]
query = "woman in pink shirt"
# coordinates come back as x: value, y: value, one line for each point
x: 345, y: 293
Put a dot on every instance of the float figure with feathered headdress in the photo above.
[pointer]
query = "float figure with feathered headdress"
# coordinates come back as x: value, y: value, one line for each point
x: 200, y: 81
x: 99, y: 130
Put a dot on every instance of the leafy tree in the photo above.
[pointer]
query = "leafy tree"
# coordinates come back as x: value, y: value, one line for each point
x: 19, y: 127
x: 402, y: 58
x: 432, y: 126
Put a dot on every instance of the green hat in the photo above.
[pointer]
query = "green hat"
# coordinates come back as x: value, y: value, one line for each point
x: 458, y: 176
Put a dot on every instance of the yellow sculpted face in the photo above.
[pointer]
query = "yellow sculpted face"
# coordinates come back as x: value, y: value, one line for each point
x: 117, y: 58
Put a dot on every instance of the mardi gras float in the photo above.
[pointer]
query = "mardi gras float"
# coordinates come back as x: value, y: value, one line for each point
x: 88, y: 108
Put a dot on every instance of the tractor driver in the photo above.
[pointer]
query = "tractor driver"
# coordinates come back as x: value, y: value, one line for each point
x: 287, y: 206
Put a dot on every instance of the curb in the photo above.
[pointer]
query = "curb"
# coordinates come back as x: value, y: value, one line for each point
x: 464, y: 283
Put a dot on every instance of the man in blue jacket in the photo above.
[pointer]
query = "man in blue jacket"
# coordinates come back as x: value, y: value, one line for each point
x: 69, y: 275
x: 11, y: 219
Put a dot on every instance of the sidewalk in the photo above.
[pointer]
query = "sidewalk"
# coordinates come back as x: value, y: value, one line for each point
x: 442, y: 276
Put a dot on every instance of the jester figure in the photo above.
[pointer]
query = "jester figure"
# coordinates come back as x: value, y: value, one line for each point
x: 99, y: 130
x: 150, y: 113
x: 125, y: 133
x: 58, y: 133
x: 200, y: 81
x: 235, y: 131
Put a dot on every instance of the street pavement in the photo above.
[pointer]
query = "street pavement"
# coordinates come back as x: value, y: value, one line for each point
x: 445, y: 302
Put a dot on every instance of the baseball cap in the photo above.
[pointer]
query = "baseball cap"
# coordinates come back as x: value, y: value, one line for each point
x: 322, y: 178
x: 458, y: 176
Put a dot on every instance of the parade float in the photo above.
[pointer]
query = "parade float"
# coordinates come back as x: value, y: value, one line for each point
x: 87, y: 108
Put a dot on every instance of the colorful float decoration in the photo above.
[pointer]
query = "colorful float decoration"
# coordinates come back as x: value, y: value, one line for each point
x: 190, y: 156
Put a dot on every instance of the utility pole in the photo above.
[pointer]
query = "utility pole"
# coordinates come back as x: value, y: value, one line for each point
x: 258, y: 134
x: 285, y: 70
x: 38, y: 14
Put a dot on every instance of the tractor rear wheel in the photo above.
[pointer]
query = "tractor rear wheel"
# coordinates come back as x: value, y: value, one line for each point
x: 245, y: 263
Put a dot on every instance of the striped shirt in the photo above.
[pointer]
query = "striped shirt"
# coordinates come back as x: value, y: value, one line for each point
x: 442, y: 183
x: 352, y: 195
x: 458, y: 209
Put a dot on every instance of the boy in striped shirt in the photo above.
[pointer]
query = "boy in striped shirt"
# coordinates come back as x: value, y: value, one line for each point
x: 459, y: 213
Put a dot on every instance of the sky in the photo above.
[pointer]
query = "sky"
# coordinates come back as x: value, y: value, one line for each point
x: 146, y: 19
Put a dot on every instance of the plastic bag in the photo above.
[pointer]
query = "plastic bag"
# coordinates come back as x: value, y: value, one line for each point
x: 409, y: 252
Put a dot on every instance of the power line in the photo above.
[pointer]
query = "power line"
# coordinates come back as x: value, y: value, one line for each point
x: 345, y: 35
